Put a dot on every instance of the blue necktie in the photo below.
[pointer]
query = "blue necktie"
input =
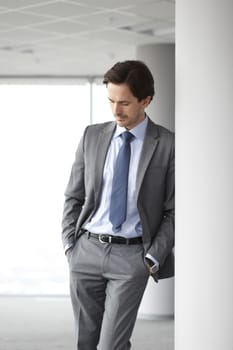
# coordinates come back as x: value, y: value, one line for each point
x: 118, y: 202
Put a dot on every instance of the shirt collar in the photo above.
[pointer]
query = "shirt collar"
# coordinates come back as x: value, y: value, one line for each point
x: 138, y: 131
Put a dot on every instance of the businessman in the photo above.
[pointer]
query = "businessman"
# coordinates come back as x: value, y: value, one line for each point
x: 118, y: 220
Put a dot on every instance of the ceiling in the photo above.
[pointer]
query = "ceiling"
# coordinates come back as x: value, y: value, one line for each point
x: 72, y: 37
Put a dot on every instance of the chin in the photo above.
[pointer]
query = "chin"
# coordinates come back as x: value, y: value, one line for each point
x: 121, y: 123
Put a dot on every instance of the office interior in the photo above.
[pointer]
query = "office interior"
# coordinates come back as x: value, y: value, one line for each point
x: 53, y: 55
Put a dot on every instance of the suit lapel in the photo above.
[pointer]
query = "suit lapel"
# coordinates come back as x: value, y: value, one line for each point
x: 149, y: 146
x: 102, y: 149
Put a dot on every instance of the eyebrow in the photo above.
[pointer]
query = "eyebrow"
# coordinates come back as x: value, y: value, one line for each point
x: 118, y: 101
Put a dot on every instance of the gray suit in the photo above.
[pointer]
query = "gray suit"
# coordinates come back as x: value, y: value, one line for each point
x: 154, y: 191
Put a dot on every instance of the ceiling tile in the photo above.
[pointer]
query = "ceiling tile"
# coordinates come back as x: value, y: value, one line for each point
x: 18, y: 36
x: 161, y: 10
x: 4, y: 27
x: 3, y: 9
x: 62, y: 9
x: 20, y: 19
x: 112, y: 4
x: 16, y: 4
x: 122, y: 36
x: 62, y: 27
x: 114, y: 19
x: 75, y: 42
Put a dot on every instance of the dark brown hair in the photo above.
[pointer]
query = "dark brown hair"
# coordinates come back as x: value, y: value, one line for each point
x: 135, y: 74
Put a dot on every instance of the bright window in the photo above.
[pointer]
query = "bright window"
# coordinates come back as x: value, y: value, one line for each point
x: 101, y: 111
x: 40, y: 129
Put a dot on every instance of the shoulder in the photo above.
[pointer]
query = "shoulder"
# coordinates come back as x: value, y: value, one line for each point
x: 100, y: 126
x: 96, y: 129
x: 96, y: 135
x: 165, y: 133
x: 160, y: 131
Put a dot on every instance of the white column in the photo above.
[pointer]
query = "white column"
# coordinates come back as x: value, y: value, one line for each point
x: 158, y: 300
x: 204, y: 175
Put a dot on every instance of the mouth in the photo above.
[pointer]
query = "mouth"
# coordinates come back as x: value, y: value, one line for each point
x: 120, y: 118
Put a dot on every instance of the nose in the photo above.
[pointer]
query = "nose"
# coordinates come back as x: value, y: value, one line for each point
x: 116, y: 109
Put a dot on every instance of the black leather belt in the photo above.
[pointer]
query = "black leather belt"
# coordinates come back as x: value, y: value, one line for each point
x: 103, y: 238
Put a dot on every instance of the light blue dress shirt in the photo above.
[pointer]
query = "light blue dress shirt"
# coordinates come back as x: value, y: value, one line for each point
x: 100, y: 221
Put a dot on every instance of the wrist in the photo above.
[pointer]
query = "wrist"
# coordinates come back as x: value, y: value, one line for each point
x: 68, y: 248
x: 153, y: 267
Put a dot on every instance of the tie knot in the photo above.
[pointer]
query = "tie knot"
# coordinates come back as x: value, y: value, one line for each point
x: 127, y: 136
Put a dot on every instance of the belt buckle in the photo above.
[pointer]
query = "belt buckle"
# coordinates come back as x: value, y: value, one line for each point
x: 101, y: 239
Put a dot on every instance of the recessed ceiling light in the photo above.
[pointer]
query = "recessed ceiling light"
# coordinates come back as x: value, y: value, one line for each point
x: 7, y: 48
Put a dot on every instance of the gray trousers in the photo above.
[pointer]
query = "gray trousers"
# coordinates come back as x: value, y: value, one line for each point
x: 107, y: 282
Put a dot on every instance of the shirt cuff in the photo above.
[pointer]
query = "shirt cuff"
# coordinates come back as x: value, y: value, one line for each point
x: 152, y: 259
x: 68, y: 246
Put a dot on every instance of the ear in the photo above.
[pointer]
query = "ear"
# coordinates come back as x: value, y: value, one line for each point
x: 146, y: 101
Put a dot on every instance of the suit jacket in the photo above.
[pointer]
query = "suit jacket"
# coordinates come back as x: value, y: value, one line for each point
x: 154, y: 189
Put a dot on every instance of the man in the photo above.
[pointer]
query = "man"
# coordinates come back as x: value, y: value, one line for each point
x: 118, y: 223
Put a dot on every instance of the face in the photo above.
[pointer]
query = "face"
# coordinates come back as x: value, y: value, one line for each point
x: 126, y: 108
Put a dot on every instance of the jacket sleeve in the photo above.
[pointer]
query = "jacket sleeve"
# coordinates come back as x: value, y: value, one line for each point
x: 163, y: 242
x: 74, y: 197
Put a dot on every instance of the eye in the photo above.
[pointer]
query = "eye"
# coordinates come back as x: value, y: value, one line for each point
x: 125, y: 103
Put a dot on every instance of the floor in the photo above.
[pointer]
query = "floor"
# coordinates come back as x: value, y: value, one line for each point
x: 46, y: 323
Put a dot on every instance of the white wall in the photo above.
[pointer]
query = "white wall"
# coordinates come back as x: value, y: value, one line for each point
x: 204, y: 163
